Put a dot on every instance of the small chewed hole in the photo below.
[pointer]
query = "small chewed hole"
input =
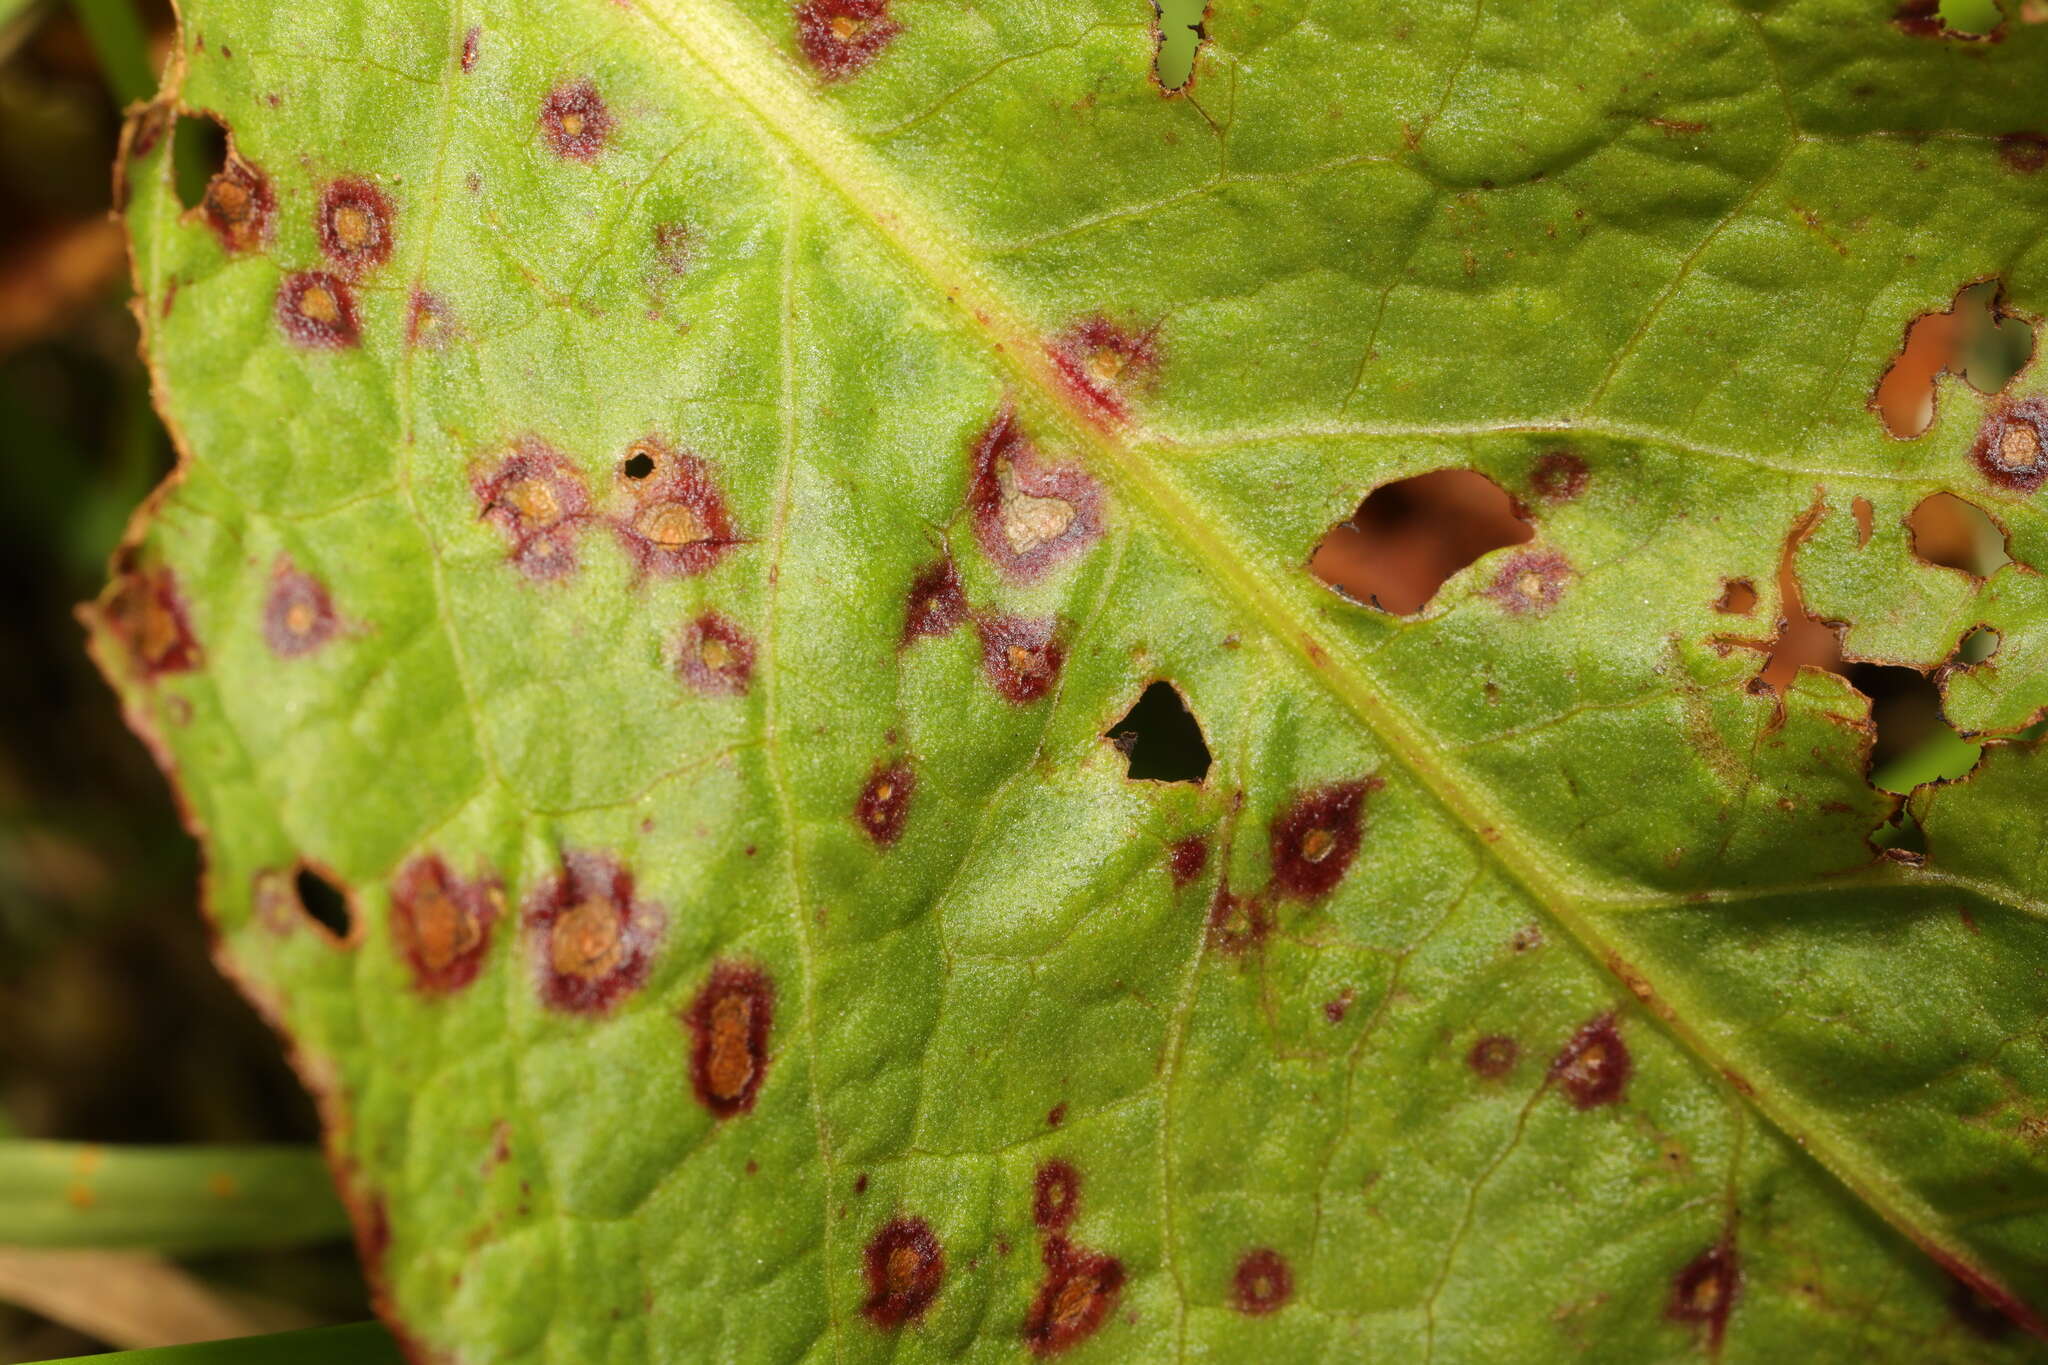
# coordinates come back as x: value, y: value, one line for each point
x: 1409, y: 536
x: 199, y: 152
x: 638, y: 465
x: 1738, y: 597
x: 1979, y: 645
x: 324, y: 902
x: 1161, y: 738
x: 1914, y: 744
x: 1955, y: 534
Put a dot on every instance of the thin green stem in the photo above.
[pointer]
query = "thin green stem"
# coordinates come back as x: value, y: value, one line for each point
x: 168, y: 1199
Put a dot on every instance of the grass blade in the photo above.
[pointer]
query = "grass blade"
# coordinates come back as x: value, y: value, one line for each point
x: 361, y: 1344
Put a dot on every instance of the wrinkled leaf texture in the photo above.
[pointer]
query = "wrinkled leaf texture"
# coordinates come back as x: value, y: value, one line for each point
x: 756, y: 951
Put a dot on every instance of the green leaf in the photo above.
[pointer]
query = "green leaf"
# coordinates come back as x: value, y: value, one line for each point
x: 171, y: 1199
x: 677, y: 494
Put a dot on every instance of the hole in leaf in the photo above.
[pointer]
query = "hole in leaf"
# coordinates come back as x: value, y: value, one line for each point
x: 1161, y: 738
x: 1738, y: 597
x: 323, y: 901
x: 1977, y: 646
x: 1955, y: 534
x: 1180, y: 40
x: 199, y: 151
x: 1409, y: 536
x: 1901, y: 836
x: 1803, y: 640
x: 1973, y: 337
x: 1914, y: 744
x: 1977, y: 18
x: 639, y: 465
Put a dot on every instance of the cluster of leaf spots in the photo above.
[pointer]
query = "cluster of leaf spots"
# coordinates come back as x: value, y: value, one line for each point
x: 937, y: 603
x: 575, y: 121
x: 355, y: 224
x: 1314, y: 838
x: 729, y: 1023
x: 298, y: 613
x: 2012, y: 445
x: 1100, y: 361
x: 905, y: 1268
x: 884, y: 804
x: 1187, y: 859
x: 1531, y: 582
x: 1262, y: 1283
x: 841, y: 38
x: 239, y: 205
x: 714, y: 657
x: 147, y: 613
x: 1311, y: 843
x: 1703, y: 1293
x: 1493, y: 1056
x: 1081, y: 1285
x: 593, y: 941
x: 1028, y: 515
x: 1594, y: 1066
x: 441, y: 923
x: 317, y: 310
x: 668, y: 513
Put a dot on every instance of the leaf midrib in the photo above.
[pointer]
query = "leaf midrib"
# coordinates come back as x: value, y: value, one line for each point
x: 736, y: 54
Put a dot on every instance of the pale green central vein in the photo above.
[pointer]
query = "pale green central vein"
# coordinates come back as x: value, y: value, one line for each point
x: 735, y: 54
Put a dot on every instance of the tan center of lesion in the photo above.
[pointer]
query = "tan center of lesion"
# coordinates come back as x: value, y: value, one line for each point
x: 674, y: 525
x: 572, y: 125
x: 159, y: 630
x: 352, y: 227
x: 903, y: 1267
x: 586, y: 941
x: 1107, y: 364
x: 231, y: 199
x: 1074, y: 1298
x: 716, y: 654
x: 1529, y: 584
x: 883, y: 791
x: 2019, y: 446
x: 732, y: 1053
x: 1025, y: 661
x: 299, y: 618
x: 1316, y: 844
x: 318, y: 303
x: 1030, y: 522
x: 846, y: 28
x: 534, y: 501
x: 1589, y: 1065
x: 443, y: 930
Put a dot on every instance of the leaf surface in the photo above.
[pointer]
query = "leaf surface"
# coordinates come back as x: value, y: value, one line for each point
x: 676, y: 494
